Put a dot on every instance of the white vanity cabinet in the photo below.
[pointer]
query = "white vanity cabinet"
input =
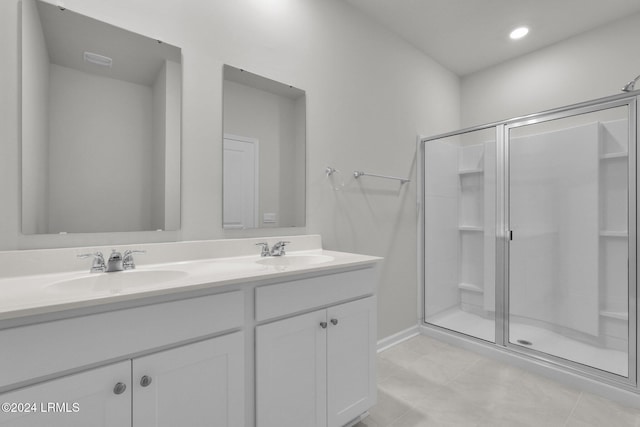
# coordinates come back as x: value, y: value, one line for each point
x: 291, y: 347
x: 162, y: 383
x: 199, y: 384
x: 351, y: 360
x: 317, y: 368
x: 84, y: 399
x: 291, y: 372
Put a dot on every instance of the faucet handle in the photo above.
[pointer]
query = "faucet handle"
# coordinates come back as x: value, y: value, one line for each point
x: 134, y: 251
x: 278, y: 248
x: 127, y: 258
x: 265, y: 248
x: 98, y: 265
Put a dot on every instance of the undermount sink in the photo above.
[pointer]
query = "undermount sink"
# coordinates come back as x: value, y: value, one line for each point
x: 115, y: 282
x: 295, y: 260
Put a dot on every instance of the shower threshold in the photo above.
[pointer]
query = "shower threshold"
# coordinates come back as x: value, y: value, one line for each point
x: 539, y: 339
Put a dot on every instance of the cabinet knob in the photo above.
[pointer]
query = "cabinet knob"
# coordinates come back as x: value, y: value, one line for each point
x: 323, y: 325
x: 119, y: 388
x: 145, y: 380
x: 334, y: 321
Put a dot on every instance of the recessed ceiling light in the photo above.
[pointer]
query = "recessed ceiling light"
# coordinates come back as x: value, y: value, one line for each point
x: 519, y: 33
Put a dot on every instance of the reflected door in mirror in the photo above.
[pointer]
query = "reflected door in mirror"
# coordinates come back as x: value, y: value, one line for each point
x: 260, y: 109
x: 240, y: 188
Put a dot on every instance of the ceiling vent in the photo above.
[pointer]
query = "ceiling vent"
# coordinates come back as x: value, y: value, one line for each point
x: 94, y: 58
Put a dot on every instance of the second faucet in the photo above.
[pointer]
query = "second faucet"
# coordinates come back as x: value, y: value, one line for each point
x: 276, y: 250
x: 116, y: 262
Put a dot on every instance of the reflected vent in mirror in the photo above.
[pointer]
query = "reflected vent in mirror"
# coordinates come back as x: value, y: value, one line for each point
x: 94, y: 58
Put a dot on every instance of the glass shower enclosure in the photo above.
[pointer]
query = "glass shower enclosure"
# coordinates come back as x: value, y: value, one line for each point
x: 528, y: 232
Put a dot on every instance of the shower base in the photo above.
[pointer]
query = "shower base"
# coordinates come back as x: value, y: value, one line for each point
x: 540, y: 339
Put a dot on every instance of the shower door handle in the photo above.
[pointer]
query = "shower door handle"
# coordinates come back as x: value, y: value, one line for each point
x: 510, y: 235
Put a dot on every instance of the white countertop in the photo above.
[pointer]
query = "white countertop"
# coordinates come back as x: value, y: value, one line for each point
x: 27, y: 295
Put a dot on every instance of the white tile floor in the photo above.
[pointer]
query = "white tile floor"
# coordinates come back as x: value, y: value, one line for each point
x: 425, y: 382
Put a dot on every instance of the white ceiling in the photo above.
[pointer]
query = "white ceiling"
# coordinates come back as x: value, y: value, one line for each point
x: 469, y: 35
x: 68, y: 35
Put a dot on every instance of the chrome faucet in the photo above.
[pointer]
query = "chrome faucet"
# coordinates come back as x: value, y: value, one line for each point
x: 278, y: 248
x: 98, y: 265
x: 127, y: 259
x: 115, y: 262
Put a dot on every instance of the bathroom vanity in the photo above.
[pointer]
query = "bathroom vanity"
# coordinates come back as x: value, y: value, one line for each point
x: 242, y: 340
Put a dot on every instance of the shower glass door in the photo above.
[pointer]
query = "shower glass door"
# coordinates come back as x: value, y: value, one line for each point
x: 568, y: 216
x: 460, y: 233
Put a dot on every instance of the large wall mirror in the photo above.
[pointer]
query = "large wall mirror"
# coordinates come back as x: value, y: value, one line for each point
x: 101, y: 111
x: 264, y: 152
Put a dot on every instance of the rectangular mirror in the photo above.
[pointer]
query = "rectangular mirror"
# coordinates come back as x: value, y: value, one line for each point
x: 101, y: 126
x: 264, y: 160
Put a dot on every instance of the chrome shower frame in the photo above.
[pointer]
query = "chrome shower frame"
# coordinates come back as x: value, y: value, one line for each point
x: 502, y: 344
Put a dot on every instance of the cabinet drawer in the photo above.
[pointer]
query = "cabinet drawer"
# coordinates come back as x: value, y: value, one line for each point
x: 81, y: 341
x: 306, y: 294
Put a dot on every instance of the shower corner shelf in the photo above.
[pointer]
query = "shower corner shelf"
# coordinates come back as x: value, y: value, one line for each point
x: 619, y: 315
x: 618, y: 155
x: 470, y: 228
x: 611, y: 233
x: 470, y: 171
x: 470, y: 287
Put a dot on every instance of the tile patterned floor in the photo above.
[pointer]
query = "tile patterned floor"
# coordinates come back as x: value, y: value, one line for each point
x: 425, y: 382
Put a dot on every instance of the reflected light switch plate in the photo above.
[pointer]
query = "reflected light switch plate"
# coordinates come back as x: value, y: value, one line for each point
x: 269, y: 218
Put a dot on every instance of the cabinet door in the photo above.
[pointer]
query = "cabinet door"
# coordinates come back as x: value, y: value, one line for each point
x: 196, y: 385
x: 351, y: 361
x: 79, y: 400
x: 291, y: 372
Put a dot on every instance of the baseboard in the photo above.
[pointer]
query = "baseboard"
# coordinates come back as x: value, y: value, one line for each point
x: 357, y: 419
x: 397, y: 338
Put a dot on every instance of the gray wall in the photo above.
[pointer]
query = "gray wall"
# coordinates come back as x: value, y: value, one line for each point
x: 165, y: 150
x: 173, y: 130
x: 35, y: 113
x: 82, y: 148
x: 158, y: 147
x: 588, y: 66
x: 368, y: 95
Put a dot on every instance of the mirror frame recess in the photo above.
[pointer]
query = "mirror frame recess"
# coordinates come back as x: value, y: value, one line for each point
x: 74, y: 179
x: 265, y: 139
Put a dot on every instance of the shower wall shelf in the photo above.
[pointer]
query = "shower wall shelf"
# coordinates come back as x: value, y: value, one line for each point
x: 470, y: 228
x: 610, y: 233
x: 471, y: 287
x: 619, y: 315
x: 358, y: 174
x: 469, y: 163
x: 470, y: 171
x: 609, y: 156
x: 614, y: 235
